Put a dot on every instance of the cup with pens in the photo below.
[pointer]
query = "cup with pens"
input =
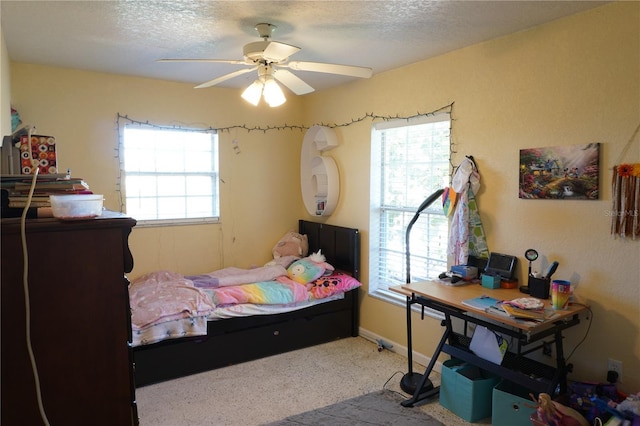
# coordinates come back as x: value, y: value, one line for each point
x: 539, y: 286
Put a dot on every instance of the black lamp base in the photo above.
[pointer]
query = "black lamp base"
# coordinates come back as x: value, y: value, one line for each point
x: 411, y: 381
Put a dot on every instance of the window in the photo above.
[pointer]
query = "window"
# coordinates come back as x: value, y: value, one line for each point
x: 410, y: 161
x: 170, y: 175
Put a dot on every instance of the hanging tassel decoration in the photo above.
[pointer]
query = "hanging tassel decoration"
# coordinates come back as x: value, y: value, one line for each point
x: 626, y: 201
x: 636, y: 206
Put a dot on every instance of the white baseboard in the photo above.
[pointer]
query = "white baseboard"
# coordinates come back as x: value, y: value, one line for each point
x: 418, y: 357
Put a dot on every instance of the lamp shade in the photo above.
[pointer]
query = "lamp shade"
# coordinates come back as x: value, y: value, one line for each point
x: 252, y: 93
x: 273, y: 93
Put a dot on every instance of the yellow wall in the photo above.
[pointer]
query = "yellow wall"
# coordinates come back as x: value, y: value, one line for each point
x: 573, y: 81
x: 259, y: 185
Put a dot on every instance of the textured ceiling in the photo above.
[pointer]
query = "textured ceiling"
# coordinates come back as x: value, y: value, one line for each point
x: 128, y: 37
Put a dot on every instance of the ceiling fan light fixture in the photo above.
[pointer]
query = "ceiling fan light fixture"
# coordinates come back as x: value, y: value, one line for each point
x: 268, y: 57
x: 253, y: 93
x: 273, y: 93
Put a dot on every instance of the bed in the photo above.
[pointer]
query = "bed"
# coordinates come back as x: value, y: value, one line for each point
x: 236, y: 339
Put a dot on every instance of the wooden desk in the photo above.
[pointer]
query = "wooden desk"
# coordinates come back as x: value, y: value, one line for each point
x: 527, y: 336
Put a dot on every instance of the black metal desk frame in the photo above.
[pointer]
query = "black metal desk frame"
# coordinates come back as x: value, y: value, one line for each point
x: 516, y: 367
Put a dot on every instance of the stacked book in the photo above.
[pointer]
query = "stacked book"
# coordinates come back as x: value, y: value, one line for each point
x: 521, y: 313
x: 18, y: 187
x: 528, y: 309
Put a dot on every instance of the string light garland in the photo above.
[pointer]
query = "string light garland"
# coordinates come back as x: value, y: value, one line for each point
x: 302, y: 128
x: 447, y: 109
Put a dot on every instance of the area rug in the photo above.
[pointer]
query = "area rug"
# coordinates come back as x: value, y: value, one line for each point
x: 377, y: 408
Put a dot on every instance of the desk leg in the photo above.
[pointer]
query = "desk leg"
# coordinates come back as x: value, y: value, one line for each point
x: 419, y: 394
x: 560, y: 377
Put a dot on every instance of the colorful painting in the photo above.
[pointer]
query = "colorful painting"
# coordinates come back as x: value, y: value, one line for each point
x: 560, y: 172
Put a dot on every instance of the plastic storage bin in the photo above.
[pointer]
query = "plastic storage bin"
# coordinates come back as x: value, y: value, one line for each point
x: 77, y: 206
x: 466, y: 390
x: 511, y: 405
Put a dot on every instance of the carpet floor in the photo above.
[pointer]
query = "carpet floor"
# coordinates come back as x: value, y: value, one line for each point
x: 278, y: 387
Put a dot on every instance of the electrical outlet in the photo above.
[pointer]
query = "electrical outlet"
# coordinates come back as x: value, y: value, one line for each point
x: 615, y: 365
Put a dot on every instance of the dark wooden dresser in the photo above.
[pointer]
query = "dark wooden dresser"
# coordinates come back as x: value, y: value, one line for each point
x: 80, y: 322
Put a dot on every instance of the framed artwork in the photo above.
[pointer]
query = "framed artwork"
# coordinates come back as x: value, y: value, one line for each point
x: 560, y: 172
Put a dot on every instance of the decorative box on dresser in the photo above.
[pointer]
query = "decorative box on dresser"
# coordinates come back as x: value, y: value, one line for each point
x: 80, y: 322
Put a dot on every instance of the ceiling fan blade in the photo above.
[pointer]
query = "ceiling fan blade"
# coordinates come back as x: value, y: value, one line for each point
x: 349, y: 70
x: 221, y: 61
x: 278, y: 52
x: 225, y: 77
x: 293, y: 82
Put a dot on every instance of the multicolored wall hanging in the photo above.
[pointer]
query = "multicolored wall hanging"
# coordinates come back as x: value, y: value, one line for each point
x: 560, y: 172
x: 625, y: 187
x: 38, y: 151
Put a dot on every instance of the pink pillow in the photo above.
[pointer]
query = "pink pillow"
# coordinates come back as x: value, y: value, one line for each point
x: 329, y: 285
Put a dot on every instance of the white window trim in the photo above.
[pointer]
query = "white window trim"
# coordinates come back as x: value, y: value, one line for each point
x: 152, y: 223
x: 383, y: 293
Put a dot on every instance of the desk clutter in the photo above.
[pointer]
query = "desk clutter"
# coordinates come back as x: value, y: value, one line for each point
x: 498, y: 272
x: 483, y: 378
x: 524, y: 308
x: 495, y: 272
x: 501, y: 346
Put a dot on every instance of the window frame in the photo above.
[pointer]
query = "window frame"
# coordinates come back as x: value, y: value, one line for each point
x: 213, y: 174
x: 376, y: 288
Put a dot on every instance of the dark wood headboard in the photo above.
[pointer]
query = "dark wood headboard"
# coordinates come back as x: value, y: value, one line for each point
x: 340, y: 245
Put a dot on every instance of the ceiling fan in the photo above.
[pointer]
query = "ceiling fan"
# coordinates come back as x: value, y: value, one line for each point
x: 271, y: 58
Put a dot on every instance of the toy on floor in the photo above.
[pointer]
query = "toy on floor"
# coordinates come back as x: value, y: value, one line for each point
x: 631, y: 404
x: 382, y: 345
x: 549, y: 412
x: 625, y: 412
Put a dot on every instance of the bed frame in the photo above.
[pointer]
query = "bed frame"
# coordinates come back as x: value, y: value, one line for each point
x: 236, y: 340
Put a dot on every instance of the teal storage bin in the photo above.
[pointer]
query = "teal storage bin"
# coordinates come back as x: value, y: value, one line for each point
x: 466, y: 390
x: 511, y: 405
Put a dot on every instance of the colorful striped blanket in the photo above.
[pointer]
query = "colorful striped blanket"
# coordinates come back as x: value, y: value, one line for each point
x: 281, y: 291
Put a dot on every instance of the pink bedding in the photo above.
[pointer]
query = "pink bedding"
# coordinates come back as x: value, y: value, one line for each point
x: 237, y: 276
x: 335, y: 283
x: 165, y: 296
